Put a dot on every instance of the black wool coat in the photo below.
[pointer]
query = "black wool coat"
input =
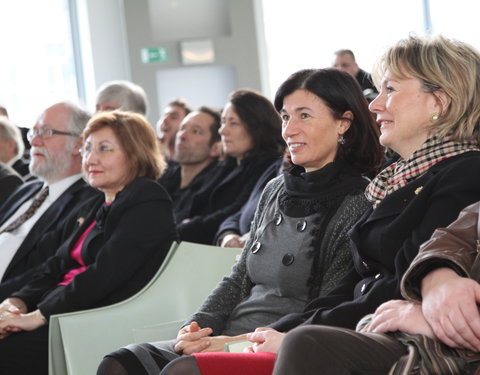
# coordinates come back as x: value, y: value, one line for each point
x: 387, y: 239
x: 122, y: 253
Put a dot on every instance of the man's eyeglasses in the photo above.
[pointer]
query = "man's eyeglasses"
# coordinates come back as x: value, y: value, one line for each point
x: 47, y: 133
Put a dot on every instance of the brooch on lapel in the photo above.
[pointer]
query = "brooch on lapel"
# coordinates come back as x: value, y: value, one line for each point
x: 418, y: 190
x: 80, y: 220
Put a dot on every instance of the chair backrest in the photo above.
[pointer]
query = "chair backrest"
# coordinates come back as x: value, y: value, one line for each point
x: 78, y: 341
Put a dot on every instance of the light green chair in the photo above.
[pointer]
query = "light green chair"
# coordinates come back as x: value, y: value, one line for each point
x: 78, y: 341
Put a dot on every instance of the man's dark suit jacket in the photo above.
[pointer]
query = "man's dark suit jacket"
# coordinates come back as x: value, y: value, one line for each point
x: 385, y: 241
x: 45, y: 236
x: 122, y: 252
x: 9, y: 181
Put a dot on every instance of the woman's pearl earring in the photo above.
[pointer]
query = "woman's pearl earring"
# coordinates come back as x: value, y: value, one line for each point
x: 435, y: 117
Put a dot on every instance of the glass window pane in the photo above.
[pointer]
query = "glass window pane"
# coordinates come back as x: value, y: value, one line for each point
x: 305, y: 33
x: 37, y: 66
x: 456, y: 19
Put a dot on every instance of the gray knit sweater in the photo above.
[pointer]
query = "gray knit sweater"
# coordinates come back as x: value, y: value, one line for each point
x: 235, y: 288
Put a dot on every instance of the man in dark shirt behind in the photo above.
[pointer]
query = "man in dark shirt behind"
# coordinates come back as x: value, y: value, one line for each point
x: 345, y: 61
x: 197, y: 147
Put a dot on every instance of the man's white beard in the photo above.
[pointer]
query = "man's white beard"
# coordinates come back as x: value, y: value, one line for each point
x: 53, y: 167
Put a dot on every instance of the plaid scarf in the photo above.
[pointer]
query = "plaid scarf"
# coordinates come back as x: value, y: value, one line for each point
x: 402, y: 172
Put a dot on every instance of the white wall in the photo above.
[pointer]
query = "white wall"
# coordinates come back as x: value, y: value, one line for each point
x: 114, y: 31
x: 237, y: 48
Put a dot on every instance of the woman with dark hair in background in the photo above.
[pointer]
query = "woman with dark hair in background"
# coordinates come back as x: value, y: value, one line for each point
x: 298, y: 248
x: 251, y: 140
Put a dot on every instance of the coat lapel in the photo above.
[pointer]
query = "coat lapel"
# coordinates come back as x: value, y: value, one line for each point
x: 395, y: 203
x: 24, y: 193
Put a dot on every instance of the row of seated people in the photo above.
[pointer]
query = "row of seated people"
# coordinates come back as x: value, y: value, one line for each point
x: 57, y: 164
x: 51, y: 232
x: 424, y: 116
x: 71, y: 244
x: 15, y: 146
x: 128, y: 96
x: 208, y: 180
x: 311, y: 223
x: 55, y: 160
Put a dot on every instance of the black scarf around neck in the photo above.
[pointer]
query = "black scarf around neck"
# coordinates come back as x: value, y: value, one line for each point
x: 322, y: 192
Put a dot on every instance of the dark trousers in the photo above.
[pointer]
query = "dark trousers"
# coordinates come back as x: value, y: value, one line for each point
x: 25, y: 353
x: 336, y: 351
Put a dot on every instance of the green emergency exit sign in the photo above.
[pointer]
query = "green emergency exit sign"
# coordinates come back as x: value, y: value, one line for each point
x: 154, y: 55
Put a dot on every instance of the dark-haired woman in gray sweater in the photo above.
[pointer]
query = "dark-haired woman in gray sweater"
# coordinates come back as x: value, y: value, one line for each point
x: 298, y: 247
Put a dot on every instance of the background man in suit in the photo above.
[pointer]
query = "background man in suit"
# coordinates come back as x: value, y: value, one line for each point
x: 12, y: 147
x: 56, y: 160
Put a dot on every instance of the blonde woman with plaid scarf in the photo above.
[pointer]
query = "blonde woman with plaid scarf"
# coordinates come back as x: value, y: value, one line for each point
x: 428, y: 111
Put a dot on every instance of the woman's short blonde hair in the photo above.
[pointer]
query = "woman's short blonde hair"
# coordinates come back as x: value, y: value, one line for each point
x: 137, y: 139
x: 441, y: 64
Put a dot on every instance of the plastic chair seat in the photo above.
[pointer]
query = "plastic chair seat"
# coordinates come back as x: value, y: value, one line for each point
x: 79, y: 340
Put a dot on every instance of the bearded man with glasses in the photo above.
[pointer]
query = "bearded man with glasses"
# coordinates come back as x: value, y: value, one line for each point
x: 32, y: 219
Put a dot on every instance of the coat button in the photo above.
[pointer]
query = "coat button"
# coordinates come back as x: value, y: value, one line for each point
x: 365, y: 264
x: 301, y: 225
x: 256, y: 247
x: 278, y: 219
x: 378, y: 275
x: 288, y: 259
x: 362, y: 290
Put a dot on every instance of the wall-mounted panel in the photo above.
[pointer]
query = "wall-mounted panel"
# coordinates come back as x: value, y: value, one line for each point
x: 185, y: 19
x: 199, y: 85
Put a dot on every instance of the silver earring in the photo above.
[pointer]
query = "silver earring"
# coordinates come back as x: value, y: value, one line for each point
x: 435, y: 117
x: 341, y: 140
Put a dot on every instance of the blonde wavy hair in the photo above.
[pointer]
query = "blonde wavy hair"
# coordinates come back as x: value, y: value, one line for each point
x: 441, y: 64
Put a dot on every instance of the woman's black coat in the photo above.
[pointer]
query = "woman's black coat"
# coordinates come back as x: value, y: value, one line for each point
x: 122, y: 252
x: 386, y: 240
